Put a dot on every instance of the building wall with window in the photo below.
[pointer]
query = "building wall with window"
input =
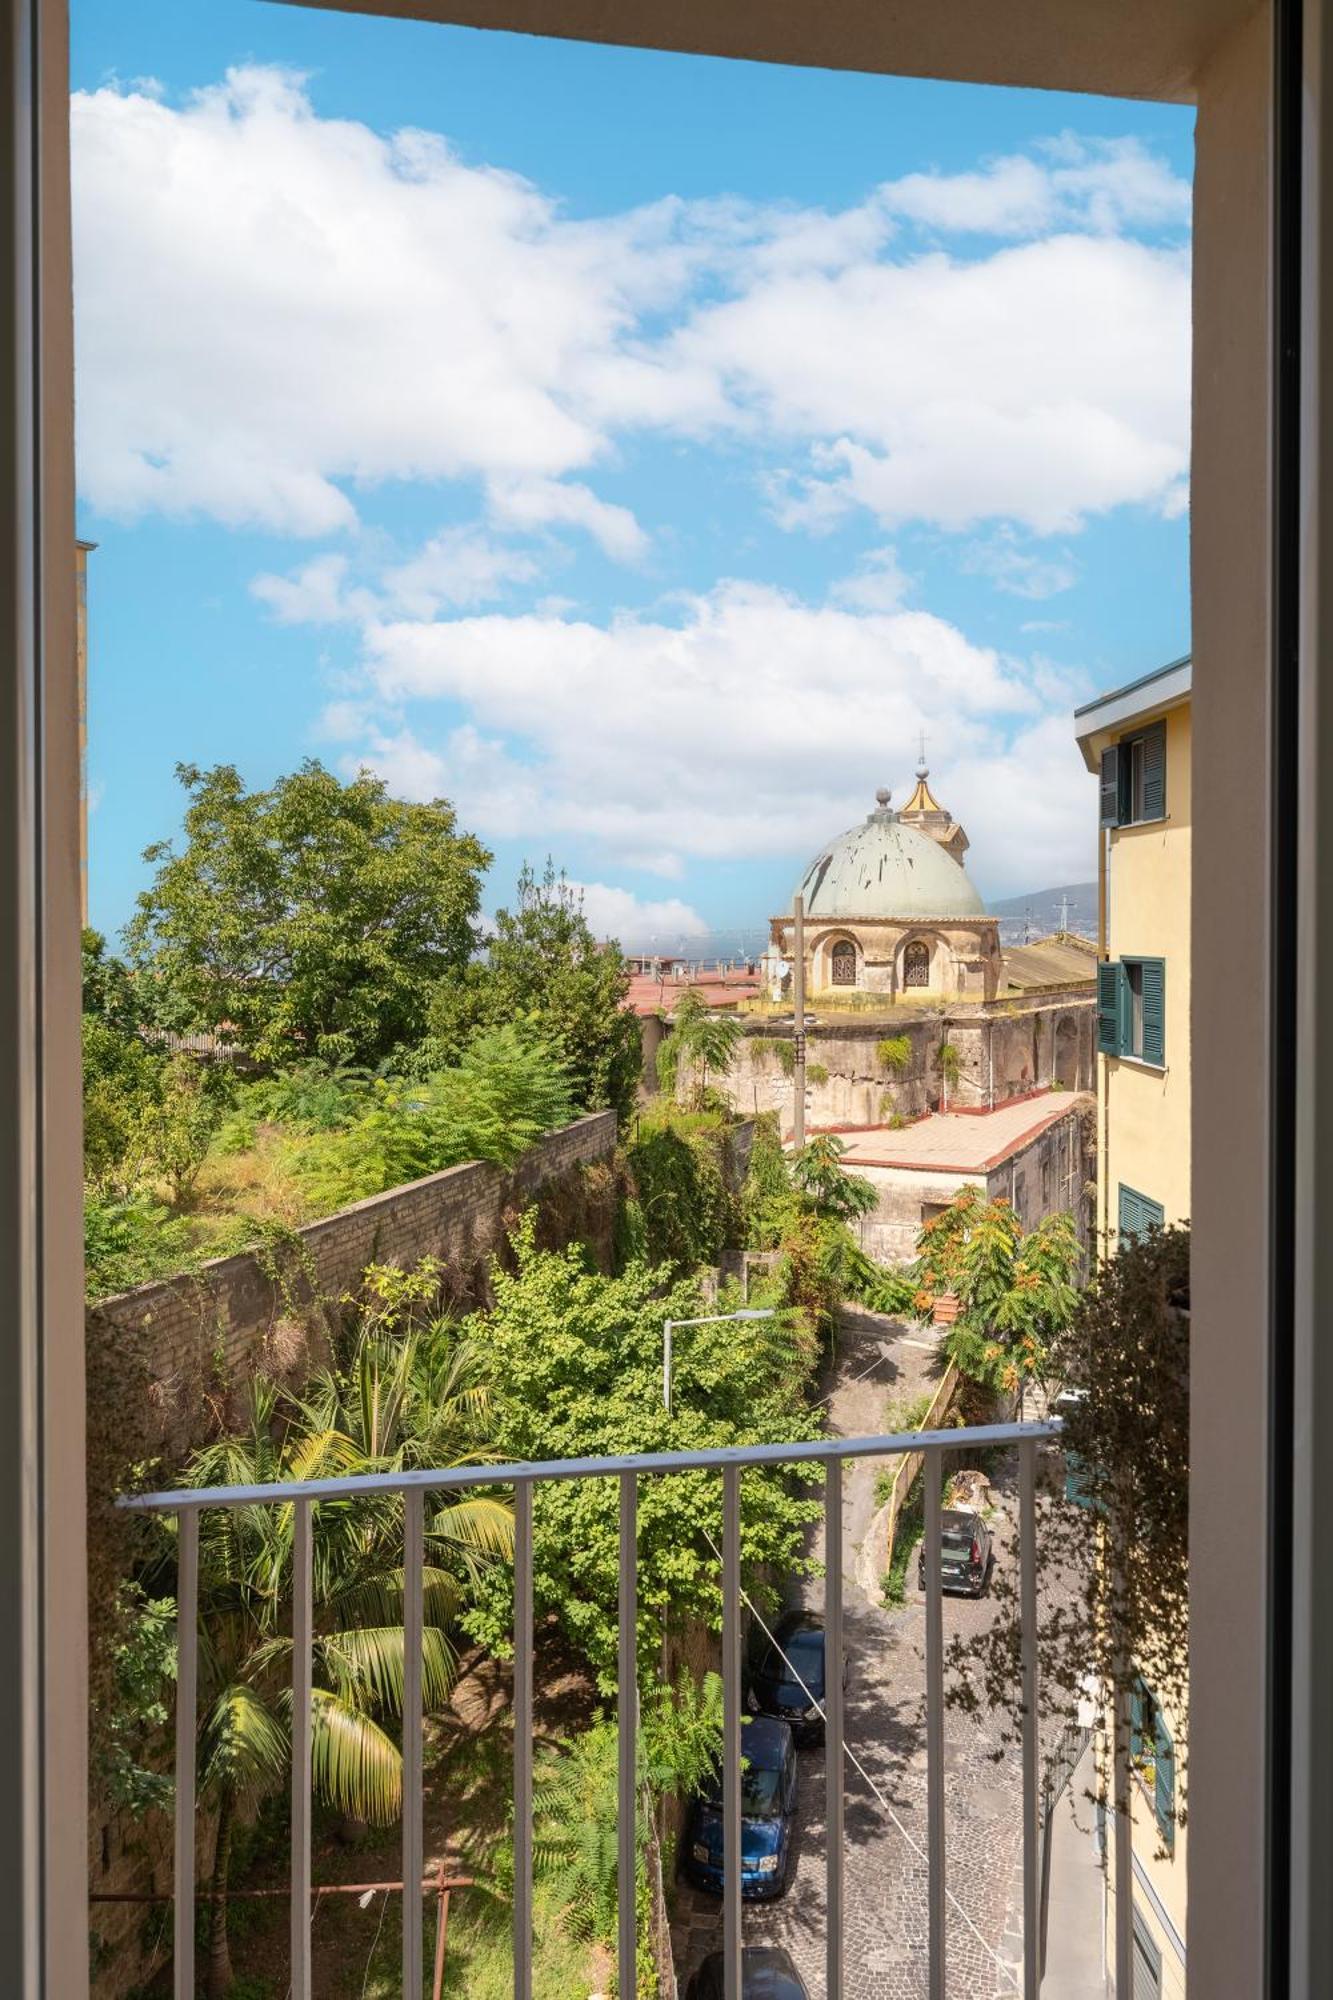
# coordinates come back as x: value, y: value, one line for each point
x: 1136, y: 742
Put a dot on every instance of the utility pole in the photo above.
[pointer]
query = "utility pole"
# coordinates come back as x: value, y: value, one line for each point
x: 798, y: 997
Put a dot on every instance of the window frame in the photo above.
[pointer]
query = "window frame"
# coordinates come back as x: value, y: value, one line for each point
x: 1126, y: 777
x: 840, y: 951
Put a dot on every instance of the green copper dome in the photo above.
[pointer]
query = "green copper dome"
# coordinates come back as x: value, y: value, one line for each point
x: 883, y: 868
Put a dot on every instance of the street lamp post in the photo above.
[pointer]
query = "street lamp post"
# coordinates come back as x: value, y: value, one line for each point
x: 708, y: 1319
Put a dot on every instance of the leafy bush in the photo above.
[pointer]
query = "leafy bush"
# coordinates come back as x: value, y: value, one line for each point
x: 688, y: 1214
x: 895, y: 1054
x: 508, y: 1090
x: 131, y: 1242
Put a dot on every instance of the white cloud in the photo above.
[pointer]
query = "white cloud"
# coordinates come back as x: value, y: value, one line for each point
x: 459, y: 566
x: 756, y: 725
x: 540, y: 503
x: 277, y: 310
x: 1040, y: 384
x: 878, y: 583
x: 275, y: 306
x: 1103, y: 185
x: 1019, y: 571
x: 315, y: 594
x: 620, y: 914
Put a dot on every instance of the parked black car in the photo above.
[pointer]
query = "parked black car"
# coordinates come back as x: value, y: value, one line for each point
x: 768, y: 1816
x: 767, y: 1973
x: 792, y: 1663
x: 965, y: 1553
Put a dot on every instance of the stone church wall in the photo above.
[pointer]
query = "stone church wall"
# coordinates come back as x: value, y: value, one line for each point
x: 1004, y: 1050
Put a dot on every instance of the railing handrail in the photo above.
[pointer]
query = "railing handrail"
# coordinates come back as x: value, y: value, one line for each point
x: 814, y: 1451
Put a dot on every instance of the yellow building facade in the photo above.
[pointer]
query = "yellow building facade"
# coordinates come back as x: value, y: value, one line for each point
x: 1136, y: 741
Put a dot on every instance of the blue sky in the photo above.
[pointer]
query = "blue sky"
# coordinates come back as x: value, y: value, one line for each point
x: 638, y: 450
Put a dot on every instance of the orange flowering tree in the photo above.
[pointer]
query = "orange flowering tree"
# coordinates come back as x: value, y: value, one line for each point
x: 1016, y: 1289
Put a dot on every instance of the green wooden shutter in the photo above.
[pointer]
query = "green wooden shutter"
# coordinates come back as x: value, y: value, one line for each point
x: 1111, y: 786
x: 1154, y: 1010
x: 1108, y: 1007
x: 1154, y: 772
x: 1137, y: 1213
x: 1164, y: 1800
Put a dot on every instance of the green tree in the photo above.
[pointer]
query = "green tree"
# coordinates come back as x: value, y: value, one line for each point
x: 699, y: 1042
x: 576, y: 1360
x: 312, y: 919
x: 1114, y: 1538
x: 543, y: 967
x: 109, y: 991
x: 819, y: 1173
x: 1016, y: 1292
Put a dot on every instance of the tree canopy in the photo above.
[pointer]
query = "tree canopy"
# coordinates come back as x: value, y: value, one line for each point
x: 1016, y: 1292
x: 542, y: 966
x: 576, y: 1359
x: 313, y: 918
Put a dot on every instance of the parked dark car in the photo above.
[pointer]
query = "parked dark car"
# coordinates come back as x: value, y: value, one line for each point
x: 767, y: 1973
x: 790, y: 1664
x: 768, y: 1808
x: 965, y: 1553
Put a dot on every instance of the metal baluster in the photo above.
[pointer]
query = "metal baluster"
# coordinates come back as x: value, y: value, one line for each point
x: 731, y: 1731
x: 523, y: 1741
x: 187, y: 1677
x: 628, y: 1713
x: 833, y: 1811
x: 936, y: 1890
x: 414, y: 1561
x: 1027, y: 1538
x: 302, y: 1638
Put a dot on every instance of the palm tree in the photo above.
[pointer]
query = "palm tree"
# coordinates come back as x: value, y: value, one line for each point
x: 706, y: 1040
x: 400, y: 1401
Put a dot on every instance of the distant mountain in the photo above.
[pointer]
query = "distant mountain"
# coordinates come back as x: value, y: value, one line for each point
x: 1040, y: 913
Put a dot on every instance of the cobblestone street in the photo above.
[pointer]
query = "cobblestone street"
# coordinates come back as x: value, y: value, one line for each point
x: 885, y: 1874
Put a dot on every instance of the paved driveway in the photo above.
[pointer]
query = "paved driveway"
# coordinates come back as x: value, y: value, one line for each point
x: 885, y: 1879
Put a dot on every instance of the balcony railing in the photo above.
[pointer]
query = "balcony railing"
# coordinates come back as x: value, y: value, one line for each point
x: 304, y: 1496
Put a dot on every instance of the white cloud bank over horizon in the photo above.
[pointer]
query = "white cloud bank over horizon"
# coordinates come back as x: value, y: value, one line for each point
x: 755, y: 725
x: 278, y: 311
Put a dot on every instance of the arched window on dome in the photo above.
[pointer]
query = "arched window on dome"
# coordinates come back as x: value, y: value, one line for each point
x: 916, y: 964
x: 842, y: 963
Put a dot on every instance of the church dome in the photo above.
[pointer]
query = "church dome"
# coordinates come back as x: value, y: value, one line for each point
x: 883, y: 868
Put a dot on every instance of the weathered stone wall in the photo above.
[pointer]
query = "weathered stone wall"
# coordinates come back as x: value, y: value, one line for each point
x: 169, y: 1364
x: 230, y: 1314
x: 1004, y: 1051
x: 1048, y: 1174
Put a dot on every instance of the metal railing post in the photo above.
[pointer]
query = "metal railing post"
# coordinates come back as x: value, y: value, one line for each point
x: 523, y: 1740
x: 628, y: 1728
x: 303, y: 1629
x: 936, y: 1883
x: 833, y: 1724
x: 1027, y: 1539
x: 414, y: 1558
x: 731, y: 1731
x: 187, y: 1701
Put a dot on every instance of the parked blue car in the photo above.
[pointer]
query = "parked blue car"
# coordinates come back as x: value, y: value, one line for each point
x: 768, y: 1812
